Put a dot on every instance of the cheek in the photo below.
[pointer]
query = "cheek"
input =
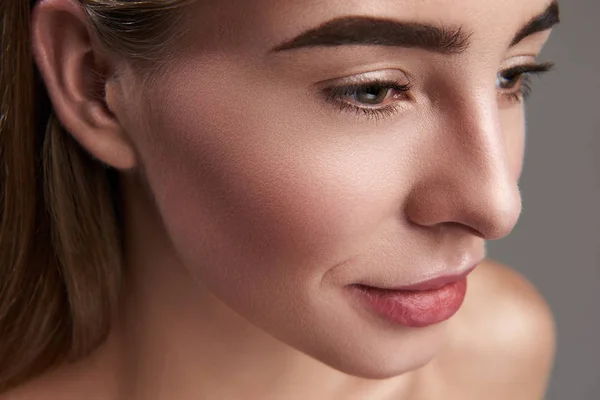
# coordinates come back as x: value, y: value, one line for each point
x: 513, y: 128
x: 247, y: 187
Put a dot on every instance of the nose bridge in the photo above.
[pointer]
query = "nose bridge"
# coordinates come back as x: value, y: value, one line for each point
x: 478, y: 149
x: 472, y: 183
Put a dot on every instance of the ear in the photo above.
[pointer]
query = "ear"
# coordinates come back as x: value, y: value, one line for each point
x: 76, y: 74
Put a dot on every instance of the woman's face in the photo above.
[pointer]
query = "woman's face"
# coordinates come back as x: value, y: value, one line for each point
x: 376, y: 151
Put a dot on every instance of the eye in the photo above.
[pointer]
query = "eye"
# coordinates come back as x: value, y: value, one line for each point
x: 514, y: 84
x: 507, y: 82
x: 373, y: 99
x: 372, y: 95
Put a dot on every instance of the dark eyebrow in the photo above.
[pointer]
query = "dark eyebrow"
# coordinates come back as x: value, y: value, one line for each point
x: 381, y: 32
x: 386, y: 32
x: 540, y: 23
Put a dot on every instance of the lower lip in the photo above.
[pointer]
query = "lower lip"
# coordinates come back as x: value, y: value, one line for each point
x: 415, y: 308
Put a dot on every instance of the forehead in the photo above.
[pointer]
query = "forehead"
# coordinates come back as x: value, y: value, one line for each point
x: 271, y: 21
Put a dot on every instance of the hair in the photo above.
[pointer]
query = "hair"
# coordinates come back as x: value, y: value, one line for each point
x: 60, y: 235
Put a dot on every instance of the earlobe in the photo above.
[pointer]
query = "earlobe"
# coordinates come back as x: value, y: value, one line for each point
x: 75, y: 74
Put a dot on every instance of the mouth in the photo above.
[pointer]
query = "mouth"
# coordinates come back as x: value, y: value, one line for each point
x: 417, y: 305
x: 426, y: 285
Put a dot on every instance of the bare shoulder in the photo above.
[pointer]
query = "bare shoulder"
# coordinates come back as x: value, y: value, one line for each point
x: 503, y: 299
x: 503, y: 337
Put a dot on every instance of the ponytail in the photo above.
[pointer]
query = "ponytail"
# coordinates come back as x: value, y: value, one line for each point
x: 60, y: 249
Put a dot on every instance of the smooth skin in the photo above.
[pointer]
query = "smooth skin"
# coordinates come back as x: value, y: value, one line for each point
x: 252, y: 202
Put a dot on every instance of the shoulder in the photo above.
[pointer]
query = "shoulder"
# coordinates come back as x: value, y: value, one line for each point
x: 504, y: 337
x: 505, y: 301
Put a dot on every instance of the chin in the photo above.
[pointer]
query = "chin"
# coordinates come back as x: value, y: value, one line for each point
x: 383, y: 370
x: 372, y: 352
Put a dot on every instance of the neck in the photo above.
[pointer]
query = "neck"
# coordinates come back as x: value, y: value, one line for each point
x: 177, y: 341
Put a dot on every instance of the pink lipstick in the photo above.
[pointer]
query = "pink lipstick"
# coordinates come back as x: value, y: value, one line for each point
x: 418, y: 305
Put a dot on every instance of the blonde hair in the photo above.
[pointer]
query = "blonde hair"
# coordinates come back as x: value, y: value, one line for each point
x: 60, y: 239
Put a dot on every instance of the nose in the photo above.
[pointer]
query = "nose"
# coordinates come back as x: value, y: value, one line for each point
x: 469, y: 178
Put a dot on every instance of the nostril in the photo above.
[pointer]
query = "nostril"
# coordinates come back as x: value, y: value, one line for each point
x: 489, y: 210
x: 503, y: 215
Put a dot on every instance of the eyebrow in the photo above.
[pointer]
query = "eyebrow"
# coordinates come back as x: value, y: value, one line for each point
x: 385, y: 32
x: 540, y: 23
x: 381, y: 32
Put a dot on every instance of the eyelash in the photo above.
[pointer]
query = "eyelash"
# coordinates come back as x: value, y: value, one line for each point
x: 520, y: 75
x: 523, y: 75
x: 336, y: 94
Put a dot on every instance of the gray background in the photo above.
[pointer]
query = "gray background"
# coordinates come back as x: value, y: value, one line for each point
x: 557, y: 241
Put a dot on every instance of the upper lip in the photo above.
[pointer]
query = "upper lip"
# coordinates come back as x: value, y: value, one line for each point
x: 430, y: 284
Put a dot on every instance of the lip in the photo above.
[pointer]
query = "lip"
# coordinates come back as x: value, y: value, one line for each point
x: 417, y: 305
x: 434, y: 283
